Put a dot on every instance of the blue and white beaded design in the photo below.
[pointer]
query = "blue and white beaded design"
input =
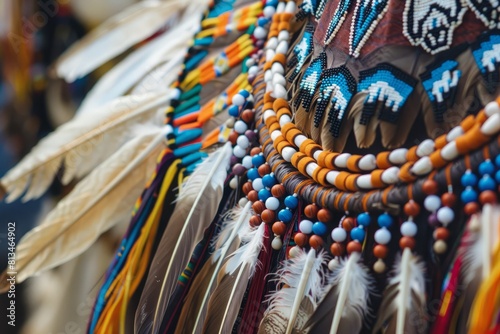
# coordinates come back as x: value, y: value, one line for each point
x: 309, y: 82
x: 312, y: 7
x: 486, y: 52
x: 440, y: 81
x: 336, y: 90
x: 431, y: 23
x: 487, y: 11
x: 387, y: 85
x: 367, y: 14
x: 301, y: 52
x: 337, y: 20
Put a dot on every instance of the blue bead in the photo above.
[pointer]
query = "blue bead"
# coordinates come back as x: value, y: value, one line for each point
x: 268, y: 180
x: 244, y: 92
x: 364, y: 219
x: 264, y: 194
x: 486, y: 167
x: 258, y: 160
x: 291, y: 202
x: 497, y: 176
x: 385, y: 220
x: 468, y: 195
x: 497, y: 161
x: 253, y: 173
x: 487, y: 183
x: 285, y: 215
x: 319, y: 228
x: 469, y: 179
x: 358, y: 234
x: 262, y: 21
x: 233, y: 111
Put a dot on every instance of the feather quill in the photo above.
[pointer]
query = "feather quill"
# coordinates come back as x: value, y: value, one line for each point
x: 80, y: 145
x: 196, y: 207
x: 96, y: 204
x: 404, y: 297
x: 115, y: 36
x: 225, y: 302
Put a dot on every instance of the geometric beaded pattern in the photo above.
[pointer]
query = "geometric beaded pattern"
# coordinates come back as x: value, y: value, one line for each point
x: 440, y: 81
x: 301, y: 51
x: 337, y: 20
x: 337, y: 88
x: 366, y: 16
x: 387, y: 88
x: 486, y: 52
x: 487, y: 11
x: 310, y: 81
x: 430, y: 23
x: 312, y: 7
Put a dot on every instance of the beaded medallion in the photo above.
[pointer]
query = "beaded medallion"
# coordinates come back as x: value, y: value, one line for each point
x: 310, y: 81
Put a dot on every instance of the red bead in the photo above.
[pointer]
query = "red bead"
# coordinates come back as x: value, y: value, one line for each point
x: 268, y: 216
x: 255, y: 151
x: 264, y: 169
x: 471, y: 208
x: 278, y: 190
x: 233, y: 136
x: 441, y: 233
x: 407, y: 242
x: 300, y: 239
x: 279, y: 228
x: 487, y: 196
x: 324, y: 215
x: 315, y: 241
x: 448, y: 199
x: 247, y: 115
x: 354, y: 246
x: 430, y: 187
x: 337, y: 249
x: 258, y: 207
x: 311, y: 211
x: 247, y: 187
x: 348, y: 224
x: 255, y: 221
x: 253, y: 196
x: 380, y: 251
x: 412, y: 208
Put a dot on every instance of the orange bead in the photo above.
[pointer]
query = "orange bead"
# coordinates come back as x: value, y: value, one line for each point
x: 471, y: 208
x: 354, y: 246
x: 311, y: 211
x: 324, y: 215
x: 300, y: 239
x: 407, y: 242
x: 247, y: 115
x: 233, y: 136
x: 448, y: 199
x: 430, y: 187
x: 380, y: 251
x: 278, y: 190
x: 264, y: 169
x: 279, y: 228
x: 253, y: 196
x: 255, y: 221
x: 315, y: 241
x: 412, y: 208
x: 441, y: 233
x: 258, y: 207
x: 247, y: 187
x: 337, y: 249
x: 268, y: 216
x: 255, y: 151
x: 348, y: 224
x: 487, y: 196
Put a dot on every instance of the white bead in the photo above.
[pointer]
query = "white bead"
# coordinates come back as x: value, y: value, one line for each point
x: 257, y: 184
x: 364, y: 181
x: 175, y: 94
x: 278, y: 79
x: 454, y: 133
x: 310, y: 168
x: 247, y: 162
x: 230, y: 122
x: 408, y: 229
x: 306, y: 226
x: 270, y: 55
x: 422, y: 166
x: 439, y: 246
x: 445, y: 215
x: 238, y: 100
x: 277, y: 243
x: 282, y: 47
x: 390, y: 175
x: 382, y: 236
x: 287, y: 153
x: 379, y: 266
x: 250, y: 62
x: 269, y: 11
x: 275, y: 134
x: 240, y: 127
x: 294, y: 251
x: 492, y: 108
x: 272, y: 203
x: 279, y: 92
x: 331, y: 176
x: 316, y: 154
x: 281, y: 7
x: 253, y: 70
x: 341, y: 160
x: 272, y: 43
x: 368, y: 162
x: 283, y: 35
x: 398, y: 156
x: 239, y: 152
x: 491, y: 126
x: 268, y: 113
x: 233, y: 183
x: 298, y: 140
x: 425, y: 148
x: 243, y: 201
x: 334, y: 263
x: 450, y: 151
x: 277, y: 68
x: 284, y: 119
x: 290, y: 7
x: 339, y: 234
x: 260, y: 33
x: 432, y: 203
x: 268, y: 76
x: 243, y: 141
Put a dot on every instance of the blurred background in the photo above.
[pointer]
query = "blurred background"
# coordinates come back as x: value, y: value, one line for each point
x: 33, y: 33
